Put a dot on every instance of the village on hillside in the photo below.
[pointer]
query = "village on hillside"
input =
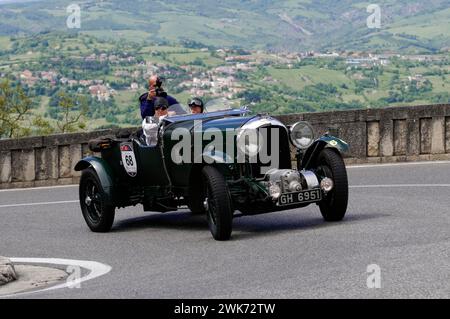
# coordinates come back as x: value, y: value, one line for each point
x: 218, y: 81
x: 297, y: 81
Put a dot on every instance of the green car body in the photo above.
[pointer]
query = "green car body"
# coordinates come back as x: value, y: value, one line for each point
x: 161, y: 184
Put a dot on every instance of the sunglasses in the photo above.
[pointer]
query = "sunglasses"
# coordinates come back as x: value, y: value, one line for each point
x: 195, y: 105
x: 162, y: 108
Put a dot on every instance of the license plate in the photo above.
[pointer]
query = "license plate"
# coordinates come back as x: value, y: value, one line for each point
x: 309, y: 196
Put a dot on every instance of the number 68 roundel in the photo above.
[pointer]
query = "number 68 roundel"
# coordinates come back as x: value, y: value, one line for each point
x: 128, y: 159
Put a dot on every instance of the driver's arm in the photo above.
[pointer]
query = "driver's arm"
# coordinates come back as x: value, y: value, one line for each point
x: 146, y: 106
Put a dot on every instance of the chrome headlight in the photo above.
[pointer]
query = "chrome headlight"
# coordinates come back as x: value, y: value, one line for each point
x: 302, y: 135
x: 249, y: 142
x: 327, y: 184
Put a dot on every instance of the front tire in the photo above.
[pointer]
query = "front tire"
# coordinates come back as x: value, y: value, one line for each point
x: 219, y: 208
x: 334, y: 204
x: 98, y: 214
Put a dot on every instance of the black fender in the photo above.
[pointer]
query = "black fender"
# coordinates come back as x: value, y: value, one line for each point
x: 220, y: 160
x: 103, y: 171
x: 216, y: 157
x: 326, y: 141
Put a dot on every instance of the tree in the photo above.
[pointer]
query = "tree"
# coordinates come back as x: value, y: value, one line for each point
x: 71, y: 109
x: 42, y: 126
x: 198, y: 61
x: 14, y: 106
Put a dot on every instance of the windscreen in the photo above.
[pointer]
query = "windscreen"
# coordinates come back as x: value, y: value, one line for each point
x: 177, y: 109
x: 220, y: 104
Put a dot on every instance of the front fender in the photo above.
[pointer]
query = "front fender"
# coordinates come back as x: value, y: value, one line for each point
x: 220, y: 160
x: 326, y: 141
x: 103, y: 171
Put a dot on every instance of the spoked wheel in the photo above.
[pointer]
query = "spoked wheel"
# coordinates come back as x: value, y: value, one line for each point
x: 334, y: 204
x: 218, y: 205
x: 98, y: 215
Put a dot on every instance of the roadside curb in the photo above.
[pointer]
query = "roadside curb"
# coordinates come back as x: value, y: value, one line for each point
x: 37, y: 275
x: 7, y: 271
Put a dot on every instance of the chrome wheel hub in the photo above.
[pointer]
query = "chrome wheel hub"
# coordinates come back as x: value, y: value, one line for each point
x: 88, y: 201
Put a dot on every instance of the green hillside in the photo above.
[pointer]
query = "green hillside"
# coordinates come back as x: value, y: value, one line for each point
x: 407, y: 26
x: 50, y: 64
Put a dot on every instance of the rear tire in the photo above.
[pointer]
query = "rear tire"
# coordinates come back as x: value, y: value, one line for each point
x: 98, y: 214
x: 219, y: 209
x: 334, y: 204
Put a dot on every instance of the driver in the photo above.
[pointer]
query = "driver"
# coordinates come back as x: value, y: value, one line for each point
x: 150, y: 124
x: 196, y: 105
x: 147, y: 100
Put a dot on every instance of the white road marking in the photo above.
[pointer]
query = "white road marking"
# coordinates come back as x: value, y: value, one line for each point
x: 96, y: 270
x: 36, y: 188
x: 397, y: 164
x: 399, y: 185
x: 351, y: 186
x: 40, y: 203
x: 348, y: 166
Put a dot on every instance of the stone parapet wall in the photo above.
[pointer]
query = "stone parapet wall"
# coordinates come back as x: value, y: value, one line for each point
x: 414, y: 133
x: 44, y: 160
x: 399, y: 134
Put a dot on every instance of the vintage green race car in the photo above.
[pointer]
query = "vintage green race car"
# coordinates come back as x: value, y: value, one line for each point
x: 218, y: 164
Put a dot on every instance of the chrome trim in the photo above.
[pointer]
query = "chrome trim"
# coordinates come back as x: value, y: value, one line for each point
x: 291, y: 129
x: 311, y: 179
x: 261, y: 121
x: 258, y: 122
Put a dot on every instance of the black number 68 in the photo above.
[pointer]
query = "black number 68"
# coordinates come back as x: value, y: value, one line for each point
x: 129, y: 160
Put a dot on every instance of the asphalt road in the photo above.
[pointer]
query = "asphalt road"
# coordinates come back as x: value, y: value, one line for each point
x: 398, y: 219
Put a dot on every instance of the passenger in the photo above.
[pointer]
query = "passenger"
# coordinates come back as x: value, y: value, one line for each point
x: 147, y: 99
x: 161, y: 106
x: 196, y: 105
x: 150, y: 124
